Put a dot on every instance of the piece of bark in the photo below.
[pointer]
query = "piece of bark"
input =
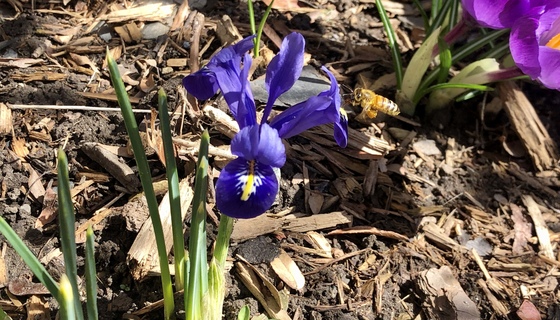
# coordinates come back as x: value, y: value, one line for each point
x: 532, y: 133
x: 245, y: 229
x: 445, y: 297
x: 142, y: 256
x: 110, y: 162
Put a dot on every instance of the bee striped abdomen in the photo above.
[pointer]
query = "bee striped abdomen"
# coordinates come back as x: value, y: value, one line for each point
x: 372, y: 103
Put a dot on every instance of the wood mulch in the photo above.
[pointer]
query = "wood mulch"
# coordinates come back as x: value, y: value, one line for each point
x: 452, y: 216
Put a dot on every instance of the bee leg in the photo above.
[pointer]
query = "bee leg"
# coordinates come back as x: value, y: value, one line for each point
x: 371, y: 113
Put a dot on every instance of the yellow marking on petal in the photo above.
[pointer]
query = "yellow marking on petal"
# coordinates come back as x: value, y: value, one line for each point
x: 343, y: 113
x: 250, y: 179
x: 554, y: 43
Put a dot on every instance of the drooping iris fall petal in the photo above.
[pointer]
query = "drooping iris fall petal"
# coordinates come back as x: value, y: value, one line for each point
x: 535, y: 44
x: 246, y: 188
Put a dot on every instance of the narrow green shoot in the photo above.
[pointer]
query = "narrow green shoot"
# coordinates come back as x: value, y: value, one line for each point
x: 438, y: 21
x: 423, y: 13
x: 392, y: 41
x: 252, y: 17
x: 198, y: 273
x: 91, y: 277
x: 436, y: 7
x: 4, y: 315
x: 68, y: 230
x: 468, y: 86
x: 146, y: 179
x: 173, y: 187
x: 216, y: 278
x: 261, y: 28
x: 445, y: 60
x: 454, y: 14
x: 66, y: 299
x: 29, y: 258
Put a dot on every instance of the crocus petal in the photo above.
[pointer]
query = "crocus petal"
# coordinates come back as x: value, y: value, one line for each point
x: 246, y: 189
x: 284, y: 69
x: 261, y: 143
x: 524, y: 45
x: 549, y: 76
x: 496, y: 14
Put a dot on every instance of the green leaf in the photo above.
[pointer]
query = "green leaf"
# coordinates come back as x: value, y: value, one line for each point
x: 415, y: 72
x: 173, y: 187
x: 66, y: 299
x: 29, y: 258
x: 198, y: 276
x: 146, y: 179
x: 91, y: 277
x: 392, y: 41
x: 457, y: 56
x: 474, y: 74
x: 4, y: 315
x: 261, y: 28
x: 244, y: 313
x: 68, y: 230
x: 438, y: 21
x: 444, y: 60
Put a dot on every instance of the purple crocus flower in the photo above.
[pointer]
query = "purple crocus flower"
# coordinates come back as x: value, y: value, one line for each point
x: 535, y: 43
x: 498, y: 14
x: 248, y: 185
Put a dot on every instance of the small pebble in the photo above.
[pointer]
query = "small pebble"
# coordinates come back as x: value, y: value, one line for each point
x: 428, y: 147
x: 25, y: 209
x: 153, y: 30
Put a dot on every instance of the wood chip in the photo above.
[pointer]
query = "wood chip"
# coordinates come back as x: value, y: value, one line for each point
x: 531, y: 131
x: 445, y: 296
x: 5, y: 120
x: 142, y: 255
x: 540, y: 226
x: 110, y: 162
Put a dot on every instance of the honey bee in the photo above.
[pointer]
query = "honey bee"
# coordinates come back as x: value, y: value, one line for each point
x: 372, y: 103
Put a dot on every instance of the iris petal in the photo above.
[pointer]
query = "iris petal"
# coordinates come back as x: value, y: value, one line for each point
x: 246, y: 189
x: 261, y: 143
x: 284, y: 69
x: 201, y: 84
x: 304, y: 115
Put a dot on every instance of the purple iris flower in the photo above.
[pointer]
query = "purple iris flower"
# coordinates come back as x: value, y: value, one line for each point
x: 498, y: 14
x: 535, y: 43
x: 248, y: 185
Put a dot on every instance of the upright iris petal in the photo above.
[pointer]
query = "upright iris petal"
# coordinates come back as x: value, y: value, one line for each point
x: 284, y: 69
x: 535, y: 44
